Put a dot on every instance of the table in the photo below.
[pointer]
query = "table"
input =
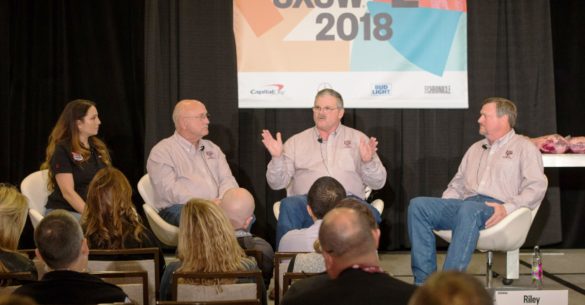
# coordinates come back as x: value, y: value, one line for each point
x: 563, y: 160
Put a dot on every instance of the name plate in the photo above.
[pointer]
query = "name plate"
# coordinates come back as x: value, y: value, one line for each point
x: 536, y: 297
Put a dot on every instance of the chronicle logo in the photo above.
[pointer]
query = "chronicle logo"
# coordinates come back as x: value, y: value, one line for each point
x: 437, y: 89
x: 271, y: 89
x: 382, y: 89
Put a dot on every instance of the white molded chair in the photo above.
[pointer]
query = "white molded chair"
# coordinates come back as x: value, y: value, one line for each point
x: 378, y: 204
x: 34, y: 187
x: 167, y: 233
x: 507, y: 236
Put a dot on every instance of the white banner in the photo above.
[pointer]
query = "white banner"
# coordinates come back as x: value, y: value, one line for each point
x: 377, y: 54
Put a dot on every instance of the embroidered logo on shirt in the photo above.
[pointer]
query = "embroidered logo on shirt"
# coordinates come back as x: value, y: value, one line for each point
x: 347, y: 143
x: 508, y: 154
x: 76, y: 156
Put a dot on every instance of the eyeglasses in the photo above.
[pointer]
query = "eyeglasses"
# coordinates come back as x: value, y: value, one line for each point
x: 201, y: 117
x: 326, y: 109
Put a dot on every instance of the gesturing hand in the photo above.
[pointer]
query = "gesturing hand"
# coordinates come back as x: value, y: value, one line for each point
x: 274, y: 146
x: 368, y: 149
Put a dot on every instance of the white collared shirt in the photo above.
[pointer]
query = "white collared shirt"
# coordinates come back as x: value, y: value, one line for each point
x: 179, y: 171
x: 509, y: 170
x: 303, y: 162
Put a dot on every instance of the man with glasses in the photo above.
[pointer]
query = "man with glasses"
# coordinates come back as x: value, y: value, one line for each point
x: 185, y: 166
x: 327, y: 149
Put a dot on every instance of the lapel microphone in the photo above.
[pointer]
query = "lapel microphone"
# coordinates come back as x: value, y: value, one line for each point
x: 320, y: 140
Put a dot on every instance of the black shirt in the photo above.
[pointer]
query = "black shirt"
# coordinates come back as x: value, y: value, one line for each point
x: 66, y: 161
x: 70, y: 287
x: 353, y: 286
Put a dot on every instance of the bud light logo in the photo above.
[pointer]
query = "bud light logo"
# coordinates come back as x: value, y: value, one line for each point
x: 383, y: 89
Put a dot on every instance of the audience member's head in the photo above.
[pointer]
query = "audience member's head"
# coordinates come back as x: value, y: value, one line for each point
x: 353, y: 204
x: 13, y: 211
x: 206, y: 239
x: 348, y: 236
x: 451, y: 288
x: 238, y: 206
x: 109, y: 218
x: 323, y: 195
x: 60, y: 243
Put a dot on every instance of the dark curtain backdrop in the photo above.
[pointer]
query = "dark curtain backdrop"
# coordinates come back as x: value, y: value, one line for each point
x: 57, y: 51
x: 137, y: 58
x: 569, y: 49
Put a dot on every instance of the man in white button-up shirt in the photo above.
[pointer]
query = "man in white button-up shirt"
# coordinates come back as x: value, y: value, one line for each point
x: 497, y: 175
x: 185, y: 166
x: 327, y: 149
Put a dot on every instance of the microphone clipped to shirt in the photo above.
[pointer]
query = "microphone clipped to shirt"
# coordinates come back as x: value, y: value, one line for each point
x: 485, y: 146
x: 202, y: 148
x: 320, y: 140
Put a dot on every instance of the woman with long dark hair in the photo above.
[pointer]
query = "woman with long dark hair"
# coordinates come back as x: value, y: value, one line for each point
x: 74, y: 154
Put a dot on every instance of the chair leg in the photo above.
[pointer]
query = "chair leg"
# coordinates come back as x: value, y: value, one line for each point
x: 488, y: 271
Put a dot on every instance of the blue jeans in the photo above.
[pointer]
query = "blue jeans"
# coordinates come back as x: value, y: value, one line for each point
x: 294, y: 215
x: 464, y: 217
x: 172, y: 214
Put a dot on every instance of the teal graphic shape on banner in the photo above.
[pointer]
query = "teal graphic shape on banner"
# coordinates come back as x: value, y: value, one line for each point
x: 422, y: 36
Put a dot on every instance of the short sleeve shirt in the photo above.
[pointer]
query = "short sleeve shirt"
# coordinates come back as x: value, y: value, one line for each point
x: 66, y: 161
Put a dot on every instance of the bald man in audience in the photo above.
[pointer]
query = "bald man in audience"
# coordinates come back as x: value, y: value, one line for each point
x: 349, y: 240
x: 238, y: 205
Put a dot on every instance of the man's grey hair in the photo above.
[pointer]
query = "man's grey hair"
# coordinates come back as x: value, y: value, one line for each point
x: 504, y: 107
x: 333, y: 93
x: 177, y: 113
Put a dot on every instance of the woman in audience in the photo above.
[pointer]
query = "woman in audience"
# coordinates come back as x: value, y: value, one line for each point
x: 206, y: 244
x: 109, y: 219
x: 13, y: 211
x: 74, y: 154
